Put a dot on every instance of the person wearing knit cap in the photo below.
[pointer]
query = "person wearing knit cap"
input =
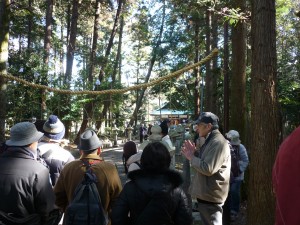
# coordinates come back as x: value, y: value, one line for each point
x: 25, y: 188
x: 49, y: 147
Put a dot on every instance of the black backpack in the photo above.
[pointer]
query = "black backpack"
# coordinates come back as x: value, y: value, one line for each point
x: 235, y: 158
x: 86, y: 207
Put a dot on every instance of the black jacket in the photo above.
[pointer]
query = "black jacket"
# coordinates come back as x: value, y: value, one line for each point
x: 25, y: 187
x: 154, y: 199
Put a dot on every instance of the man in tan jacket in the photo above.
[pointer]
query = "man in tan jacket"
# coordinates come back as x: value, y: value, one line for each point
x: 212, y: 163
x: 109, y: 184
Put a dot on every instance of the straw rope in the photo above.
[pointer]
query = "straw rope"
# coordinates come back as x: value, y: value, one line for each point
x: 115, y: 91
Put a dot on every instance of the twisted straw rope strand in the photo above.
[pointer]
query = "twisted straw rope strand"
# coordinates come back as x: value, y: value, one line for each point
x: 114, y: 91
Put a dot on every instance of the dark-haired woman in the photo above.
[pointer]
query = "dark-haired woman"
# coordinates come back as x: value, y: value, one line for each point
x: 153, y: 196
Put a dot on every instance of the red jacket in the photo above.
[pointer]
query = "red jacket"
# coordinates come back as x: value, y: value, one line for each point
x: 286, y: 180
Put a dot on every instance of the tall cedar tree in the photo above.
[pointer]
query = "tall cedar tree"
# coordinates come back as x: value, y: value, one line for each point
x: 265, y: 126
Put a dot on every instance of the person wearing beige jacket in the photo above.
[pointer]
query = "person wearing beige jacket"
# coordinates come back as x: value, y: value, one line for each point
x: 210, y: 184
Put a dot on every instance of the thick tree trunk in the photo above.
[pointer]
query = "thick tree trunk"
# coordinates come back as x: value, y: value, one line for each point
x: 196, y: 71
x: 4, y: 37
x: 238, y: 78
x: 265, y: 124
x: 72, y: 42
x: 117, y: 65
x: 226, y: 79
x: 208, y: 72
x: 70, y: 60
x: 215, y: 69
x: 47, y: 47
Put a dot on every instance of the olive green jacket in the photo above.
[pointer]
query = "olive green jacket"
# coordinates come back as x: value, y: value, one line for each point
x: 212, y: 169
x: 109, y: 184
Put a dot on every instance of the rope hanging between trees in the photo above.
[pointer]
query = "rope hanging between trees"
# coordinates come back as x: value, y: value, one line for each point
x: 115, y: 91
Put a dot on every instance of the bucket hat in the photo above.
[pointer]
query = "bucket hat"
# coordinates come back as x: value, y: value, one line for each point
x: 234, y: 137
x: 89, y: 141
x: 23, y: 133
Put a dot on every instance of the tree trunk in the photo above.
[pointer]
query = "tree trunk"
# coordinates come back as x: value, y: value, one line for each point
x: 238, y: 78
x: 4, y: 37
x: 208, y: 73
x: 152, y: 61
x: 265, y: 124
x: 215, y: 70
x: 117, y: 65
x: 226, y: 79
x: 72, y: 42
x: 111, y: 40
x: 88, y: 107
x: 104, y: 62
x: 47, y: 47
x: 196, y: 71
x: 30, y: 25
x: 95, y: 40
x: 69, y: 65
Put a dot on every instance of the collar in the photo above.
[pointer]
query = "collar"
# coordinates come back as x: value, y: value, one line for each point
x: 91, y: 156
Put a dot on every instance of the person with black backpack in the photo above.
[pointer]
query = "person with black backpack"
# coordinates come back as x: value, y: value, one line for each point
x: 75, y: 178
x: 239, y: 163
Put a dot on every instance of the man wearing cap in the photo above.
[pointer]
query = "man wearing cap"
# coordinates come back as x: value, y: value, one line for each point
x: 25, y: 187
x: 235, y: 184
x: 55, y: 156
x: 210, y: 184
x: 109, y: 184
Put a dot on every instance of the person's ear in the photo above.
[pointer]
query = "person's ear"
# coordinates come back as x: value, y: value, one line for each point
x: 81, y: 152
x: 99, y: 151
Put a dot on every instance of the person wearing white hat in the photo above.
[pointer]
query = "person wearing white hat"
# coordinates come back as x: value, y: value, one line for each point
x: 25, y: 188
x: 49, y: 147
x: 240, y: 153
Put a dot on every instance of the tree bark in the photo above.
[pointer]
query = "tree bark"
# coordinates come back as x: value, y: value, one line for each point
x: 215, y: 70
x: 196, y: 71
x: 70, y: 60
x: 265, y: 124
x: 238, y: 78
x: 30, y: 25
x: 72, y: 42
x: 226, y: 79
x: 117, y: 65
x: 208, y: 73
x: 4, y: 37
x: 47, y: 47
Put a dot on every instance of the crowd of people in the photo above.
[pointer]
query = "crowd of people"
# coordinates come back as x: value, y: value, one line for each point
x: 38, y: 177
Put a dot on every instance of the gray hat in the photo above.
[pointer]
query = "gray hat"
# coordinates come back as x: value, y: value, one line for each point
x: 89, y: 141
x: 207, y: 117
x: 23, y: 133
x: 234, y: 137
